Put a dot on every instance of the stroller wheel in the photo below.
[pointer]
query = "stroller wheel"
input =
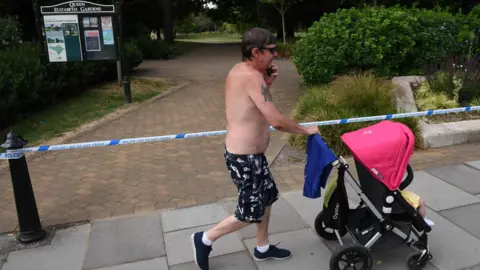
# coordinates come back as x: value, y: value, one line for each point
x: 413, y: 262
x: 351, y: 256
x: 324, y: 231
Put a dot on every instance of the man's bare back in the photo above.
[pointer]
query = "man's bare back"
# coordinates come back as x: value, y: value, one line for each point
x: 248, y: 132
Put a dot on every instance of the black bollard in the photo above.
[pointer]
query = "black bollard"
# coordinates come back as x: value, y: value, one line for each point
x: 28, y: 219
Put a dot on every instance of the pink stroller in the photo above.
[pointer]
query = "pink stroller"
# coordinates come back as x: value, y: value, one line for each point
x: 381, y: 153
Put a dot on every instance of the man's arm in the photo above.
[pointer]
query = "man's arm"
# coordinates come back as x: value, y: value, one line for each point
x: 259, y: 92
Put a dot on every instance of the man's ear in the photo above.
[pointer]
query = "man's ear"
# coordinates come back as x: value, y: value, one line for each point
x: 255, y: 52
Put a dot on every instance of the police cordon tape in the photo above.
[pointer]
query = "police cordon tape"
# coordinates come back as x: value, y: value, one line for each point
x: 15, y: 154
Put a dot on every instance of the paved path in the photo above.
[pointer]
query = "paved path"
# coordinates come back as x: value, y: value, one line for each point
x: 160, y: 240
x: 95, y: 183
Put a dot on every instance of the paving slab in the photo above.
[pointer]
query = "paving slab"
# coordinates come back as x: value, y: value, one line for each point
x: 190, y: 217
x: 473, y: 267
x: 474, y: 164
x: 234, y: 261
x: 396, y: 259
x: 308, y: 251
x: 179, y: 247
x: 67, y: 249
x: 123, y: 240
x: 388, y: 253
x: 308, y: 208
x: 3, y: 258
x: 152, y: 264
x: 438, y: 194
x: 461, y: 176
x: 6, y: 241
x: 451, y: 246
x: 283, y: 218
x: 467, y: 217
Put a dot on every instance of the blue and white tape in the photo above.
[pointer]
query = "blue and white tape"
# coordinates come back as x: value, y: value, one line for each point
x: 15, y: 154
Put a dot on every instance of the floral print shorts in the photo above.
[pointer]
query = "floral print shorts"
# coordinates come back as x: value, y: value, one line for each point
x: 255, y: 184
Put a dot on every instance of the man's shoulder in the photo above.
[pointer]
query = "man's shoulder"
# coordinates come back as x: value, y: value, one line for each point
x: 240, y: 73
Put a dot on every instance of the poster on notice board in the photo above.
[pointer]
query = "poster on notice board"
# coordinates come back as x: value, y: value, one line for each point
x: 92, y: 41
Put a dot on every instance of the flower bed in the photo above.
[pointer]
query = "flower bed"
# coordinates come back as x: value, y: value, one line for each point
x: 454, y: 85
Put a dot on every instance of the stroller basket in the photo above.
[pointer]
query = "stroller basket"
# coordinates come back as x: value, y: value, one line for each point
x: 381, y: 153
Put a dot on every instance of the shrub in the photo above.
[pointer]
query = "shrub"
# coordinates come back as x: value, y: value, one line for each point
x: 284, y: 50
x: 450, y: 81
x: 28, y: 84
x: 133, y: 54
x: 10, y: 32
x: 435, y: 101
x: 390, y: 41
x: 350, y: 96
x: 155, y: 49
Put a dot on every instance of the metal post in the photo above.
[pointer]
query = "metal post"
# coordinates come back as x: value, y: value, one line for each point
x: 28, y: 219
x: 123, y: 54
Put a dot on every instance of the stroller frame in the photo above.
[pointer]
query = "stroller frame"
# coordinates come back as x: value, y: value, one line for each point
x: 338, y: 216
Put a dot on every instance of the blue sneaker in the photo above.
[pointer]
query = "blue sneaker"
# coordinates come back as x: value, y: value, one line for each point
x: 200, y: 251
x: 272, y: 253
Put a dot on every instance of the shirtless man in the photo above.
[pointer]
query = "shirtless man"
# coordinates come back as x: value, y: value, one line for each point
x: 250, y: 112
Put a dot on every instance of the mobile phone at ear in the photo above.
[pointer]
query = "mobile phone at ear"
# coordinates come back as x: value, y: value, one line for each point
x: 269, y: 71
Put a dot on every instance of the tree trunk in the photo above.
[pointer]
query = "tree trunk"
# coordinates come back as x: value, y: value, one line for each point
x: 283, y: 27
x: 168, y: 21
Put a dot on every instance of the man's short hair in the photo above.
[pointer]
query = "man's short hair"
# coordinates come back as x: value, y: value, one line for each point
x: 255, y: 38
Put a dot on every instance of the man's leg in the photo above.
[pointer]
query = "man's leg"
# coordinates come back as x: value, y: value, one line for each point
x: 228, y: 225
x: 269, y: 195
x: 262, y: 229
x: 202, y: 241
x: 240, y: 169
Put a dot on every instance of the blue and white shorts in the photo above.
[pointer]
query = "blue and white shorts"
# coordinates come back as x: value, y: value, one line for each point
x: 255, y: 184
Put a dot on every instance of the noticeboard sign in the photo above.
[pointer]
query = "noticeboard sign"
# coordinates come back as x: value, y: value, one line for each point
x: 77, y: 7
x: 80, y: 31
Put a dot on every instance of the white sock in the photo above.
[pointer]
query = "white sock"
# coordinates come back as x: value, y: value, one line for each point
x: 205, y: 240
x: 264, y: 248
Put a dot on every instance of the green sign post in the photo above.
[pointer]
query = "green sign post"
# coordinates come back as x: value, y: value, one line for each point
x: 83, y: 31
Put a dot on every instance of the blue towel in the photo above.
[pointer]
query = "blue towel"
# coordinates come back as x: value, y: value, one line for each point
x: 319, y: 158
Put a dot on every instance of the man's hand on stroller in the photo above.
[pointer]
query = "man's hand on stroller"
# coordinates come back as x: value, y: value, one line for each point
x: 312, y: 130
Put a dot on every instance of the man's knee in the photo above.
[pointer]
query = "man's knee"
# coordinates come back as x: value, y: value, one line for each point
x: 250, y: 213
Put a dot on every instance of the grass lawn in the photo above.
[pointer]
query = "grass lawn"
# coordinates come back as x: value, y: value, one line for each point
x: 79, y: 110
x: 208, y: 38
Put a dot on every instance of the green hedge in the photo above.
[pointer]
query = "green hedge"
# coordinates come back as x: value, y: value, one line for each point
x: 155, y: 49
x: 390, y: 41
x: 28, y: 83
x: 10, y: 32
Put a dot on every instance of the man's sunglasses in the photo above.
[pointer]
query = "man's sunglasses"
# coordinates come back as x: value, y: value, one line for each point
x: 272, y: 50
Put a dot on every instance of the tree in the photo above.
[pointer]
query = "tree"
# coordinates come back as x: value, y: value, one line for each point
x: 282, y: 6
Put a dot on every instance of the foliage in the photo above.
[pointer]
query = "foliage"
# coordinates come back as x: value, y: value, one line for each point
x: 390, y: 41
x: 155, y: 49
x: 195, y: 23
x: 282, y: 7
x: 356, y: 95
x: 284, y: 50
x: 9, y: 32
x: 134, y: 54
x: 29, y: 84
x: 430, y: 100
x: 451, y: 83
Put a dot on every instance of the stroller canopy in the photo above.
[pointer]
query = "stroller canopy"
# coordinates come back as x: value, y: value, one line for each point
x: 384, y: 149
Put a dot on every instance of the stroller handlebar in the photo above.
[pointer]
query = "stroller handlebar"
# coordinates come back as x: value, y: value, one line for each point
x: 409, y: 178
